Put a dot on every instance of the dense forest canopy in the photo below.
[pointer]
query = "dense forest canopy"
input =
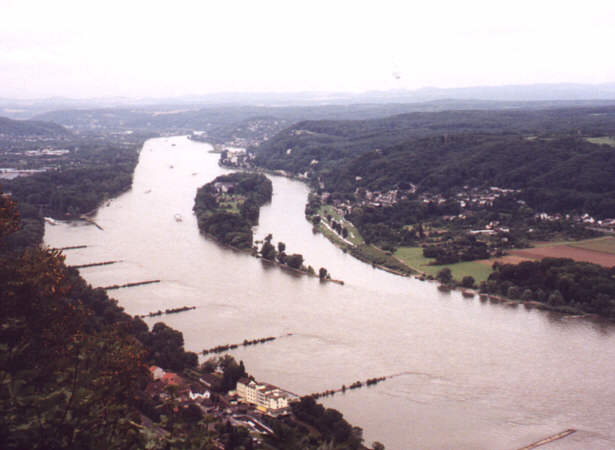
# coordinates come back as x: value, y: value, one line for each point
x: 560, y: 283
x: 555, y: 175
x: 329, y: 142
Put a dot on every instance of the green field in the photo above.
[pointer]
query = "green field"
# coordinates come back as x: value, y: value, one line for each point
x: 603, y: 244
x: 413, y: 256
x: 608, y: 140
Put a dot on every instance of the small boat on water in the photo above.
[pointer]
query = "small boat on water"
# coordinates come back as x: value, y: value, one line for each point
x: 50, y: 221
x: 178, y: 217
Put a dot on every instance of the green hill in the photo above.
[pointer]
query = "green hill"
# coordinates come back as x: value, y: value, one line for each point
x: 28, y: 128
x: 555, y: 175
x: 319, y: 146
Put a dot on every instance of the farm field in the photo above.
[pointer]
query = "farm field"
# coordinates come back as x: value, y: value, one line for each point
x: 413, y: 256
x: 603, y: 244
x: 507, y: 259
x: 568, y: 251
x: 598, y: 251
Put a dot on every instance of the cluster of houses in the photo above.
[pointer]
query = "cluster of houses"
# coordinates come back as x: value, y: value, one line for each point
x: 241, y: 407
x: 368, y: 198
x: 236, y: 157
x: 388, y: 198
x: 607, y: 224
x: 474, y: 197
x: 468, y: 198
x: 187, y: 391
x: 492, y: 228
x: 250, y: 133
x: 47, y: 152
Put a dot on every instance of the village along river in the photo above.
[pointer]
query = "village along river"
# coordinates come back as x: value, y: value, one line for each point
x: 476, y: 375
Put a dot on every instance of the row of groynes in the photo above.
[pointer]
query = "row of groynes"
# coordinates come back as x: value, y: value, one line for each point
x: 167, y: 311
x: 245, y: 343
x: 355, y: 385
x: 72, y: 247
x: 103, y: 263
x: 127, y: 285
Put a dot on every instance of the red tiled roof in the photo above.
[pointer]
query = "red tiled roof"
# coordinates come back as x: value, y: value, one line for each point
x: 172, y: 378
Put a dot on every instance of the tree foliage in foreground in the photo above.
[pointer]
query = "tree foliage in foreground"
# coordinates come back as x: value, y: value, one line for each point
x: 73, y: 365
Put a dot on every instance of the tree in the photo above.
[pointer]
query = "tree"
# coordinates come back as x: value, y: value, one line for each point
x: 556, y: 298
x: 232, y: 372
x: 467, y: 281
x: 295, y: 260
x: 9, y: 217
x: 513, y: 292
x: 68, y: 378
x: 282, y: 257
x: 322, y: 273
x: 445, y: 276
x: 268, y: 250
x: 377, y: 446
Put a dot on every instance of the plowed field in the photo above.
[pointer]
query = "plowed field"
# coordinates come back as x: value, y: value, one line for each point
x: 567, y: 251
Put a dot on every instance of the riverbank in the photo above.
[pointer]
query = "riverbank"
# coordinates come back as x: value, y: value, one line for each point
x: 351, y: 242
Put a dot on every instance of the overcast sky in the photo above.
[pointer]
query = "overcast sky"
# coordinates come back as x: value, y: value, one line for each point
x: 135, y: 48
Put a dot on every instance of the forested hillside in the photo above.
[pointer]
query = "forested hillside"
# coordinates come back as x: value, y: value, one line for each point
x: 554, y: 174
x: 25, y: 128
x: 321, y: 145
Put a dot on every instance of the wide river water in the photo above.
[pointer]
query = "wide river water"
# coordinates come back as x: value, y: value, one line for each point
x: 475, y: 375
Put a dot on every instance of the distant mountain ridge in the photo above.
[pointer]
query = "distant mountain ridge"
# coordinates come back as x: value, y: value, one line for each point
x: 26, y: 108
x: 24, y: 128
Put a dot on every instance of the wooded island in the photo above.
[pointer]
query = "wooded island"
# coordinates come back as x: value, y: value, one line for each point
x: 228, y: 207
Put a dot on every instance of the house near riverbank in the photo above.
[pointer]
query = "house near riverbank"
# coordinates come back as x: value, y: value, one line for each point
x: 267, y: 398
x: 222, y: 187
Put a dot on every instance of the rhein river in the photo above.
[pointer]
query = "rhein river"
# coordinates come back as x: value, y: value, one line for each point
x: 476, y: 375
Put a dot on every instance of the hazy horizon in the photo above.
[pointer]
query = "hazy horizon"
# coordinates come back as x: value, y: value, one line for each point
x: 144, y: 49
